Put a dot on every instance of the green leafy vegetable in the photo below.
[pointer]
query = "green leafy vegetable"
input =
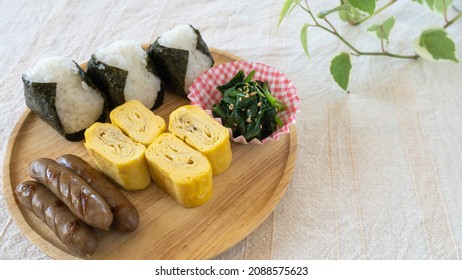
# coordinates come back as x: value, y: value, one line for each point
x: 383, y: 30
x: 437, y: 43
x: 340, y: 69
x: 248, y: 107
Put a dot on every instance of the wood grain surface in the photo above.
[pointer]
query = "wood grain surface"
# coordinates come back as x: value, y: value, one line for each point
x: 243, y: 196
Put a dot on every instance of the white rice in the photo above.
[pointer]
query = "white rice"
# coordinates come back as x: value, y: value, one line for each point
x: 183, y: 37
x: 141, y: 84
x: 78, y: 105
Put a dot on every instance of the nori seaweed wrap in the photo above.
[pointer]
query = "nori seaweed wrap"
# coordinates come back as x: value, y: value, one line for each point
x: 180, y: 55
x: 122, y: 72
x: 60, y: 93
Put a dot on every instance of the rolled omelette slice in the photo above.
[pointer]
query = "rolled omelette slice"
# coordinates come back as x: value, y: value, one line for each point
x: 199, y: 130
x: 117, y: 156
x: 138, y: 122
x: 180, y: 170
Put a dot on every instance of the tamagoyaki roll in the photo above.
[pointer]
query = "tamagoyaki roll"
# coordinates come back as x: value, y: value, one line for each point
x: 180, y: 170
x: 117, y: 156
x: 138, y: 122
x: 199, y: 130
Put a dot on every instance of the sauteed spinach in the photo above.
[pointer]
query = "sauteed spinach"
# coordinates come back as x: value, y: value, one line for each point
x: 248, y: 107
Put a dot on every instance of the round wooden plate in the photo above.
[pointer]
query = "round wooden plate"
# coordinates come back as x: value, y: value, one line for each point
x: 243, y: 196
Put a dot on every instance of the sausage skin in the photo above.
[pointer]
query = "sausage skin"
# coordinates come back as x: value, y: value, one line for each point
x: 126, y: 217
x: 83, y: 201
x: 77, y: 236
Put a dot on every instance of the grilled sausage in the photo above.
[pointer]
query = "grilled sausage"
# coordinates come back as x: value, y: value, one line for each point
x: 125, y: 214
x: 73, y: 191
x: 77, y: 236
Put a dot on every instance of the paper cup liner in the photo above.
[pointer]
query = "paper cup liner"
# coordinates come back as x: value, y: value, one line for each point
x: 203, y: 92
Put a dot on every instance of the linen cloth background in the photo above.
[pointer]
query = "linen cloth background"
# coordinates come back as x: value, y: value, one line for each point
x: 378, y: 173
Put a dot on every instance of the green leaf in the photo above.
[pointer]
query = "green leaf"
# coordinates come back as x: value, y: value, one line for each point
x: 344, y: 7
x: 383, y: 30
x: 350, y: 14
x: 340, y: 68
x: 437, y: 43
x: 304, y: 39
x: 367, y: 6
x: 288, y: 6
x: 430, y: 3
x: 439, y: 6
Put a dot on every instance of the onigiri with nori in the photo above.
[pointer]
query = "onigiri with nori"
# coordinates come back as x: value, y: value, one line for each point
x: 122, y: 72
x: 57, y: 89
x: 180, y: 55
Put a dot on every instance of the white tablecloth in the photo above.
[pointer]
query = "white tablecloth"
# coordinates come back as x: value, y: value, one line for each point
x: 378, y: 173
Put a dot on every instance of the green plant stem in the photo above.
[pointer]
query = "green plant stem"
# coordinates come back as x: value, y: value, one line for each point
x: 381, y: 39
x: 384, y: 7
x: 389, y: 54
x: 308, y: 10
x: 356, y: 51
x: 450, y: 22
x: 332, y: 30
x: 445, y: 11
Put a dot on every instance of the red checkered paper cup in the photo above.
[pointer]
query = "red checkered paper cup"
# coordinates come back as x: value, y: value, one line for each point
x: 203, y: 92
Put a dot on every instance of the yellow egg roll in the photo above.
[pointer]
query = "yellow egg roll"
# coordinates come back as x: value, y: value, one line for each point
x: 138, y: 122
x: 118, y: 156
x: 199, y: 130
x: 180, y: 170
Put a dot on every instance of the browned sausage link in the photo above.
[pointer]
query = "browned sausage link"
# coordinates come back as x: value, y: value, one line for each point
x: 77, y: 236
x: 125, y: 214
x: 76, y: 194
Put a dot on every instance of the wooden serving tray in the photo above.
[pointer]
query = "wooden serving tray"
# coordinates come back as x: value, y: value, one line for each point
x: 243, y: 196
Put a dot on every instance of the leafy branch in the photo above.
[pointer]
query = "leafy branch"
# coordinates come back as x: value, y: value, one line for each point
x: 433, y: 43
x: 450, y: 22
x: 354, y: 17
